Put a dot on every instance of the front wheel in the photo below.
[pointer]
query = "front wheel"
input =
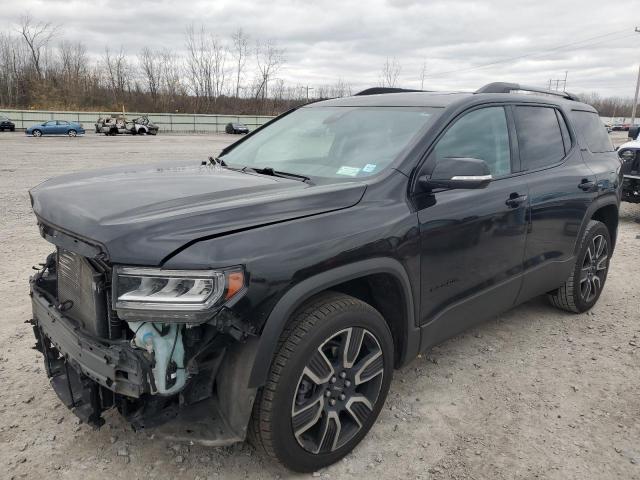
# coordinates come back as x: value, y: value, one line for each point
x: 72, y: 133
x: 327, y: 383
x: 36, y: 133
x: 585, y: 283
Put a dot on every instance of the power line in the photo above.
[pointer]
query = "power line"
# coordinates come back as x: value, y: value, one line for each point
x: 532, y: 54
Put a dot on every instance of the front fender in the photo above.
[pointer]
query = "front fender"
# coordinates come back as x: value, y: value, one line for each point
x: 298, y: 294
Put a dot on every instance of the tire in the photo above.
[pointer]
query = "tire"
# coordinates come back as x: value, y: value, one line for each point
x: 72, y: 133
x: 583, y: 287
x: 13, y: 129
x: 141, y: 131
x: 36, y: 133
x: 318, y: 404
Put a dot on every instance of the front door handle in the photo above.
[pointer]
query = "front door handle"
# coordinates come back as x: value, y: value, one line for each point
x: 586, y: 185
x: 515, y: 200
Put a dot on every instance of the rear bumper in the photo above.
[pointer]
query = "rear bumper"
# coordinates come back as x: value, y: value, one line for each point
x: 116, y: 366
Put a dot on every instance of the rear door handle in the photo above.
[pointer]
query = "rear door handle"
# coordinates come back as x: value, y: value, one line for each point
x: 515, y: 200
x: 586, y: 185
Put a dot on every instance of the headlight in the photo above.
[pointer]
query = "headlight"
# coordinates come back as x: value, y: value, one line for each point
x: 627, y: 154
x: 181, y: 295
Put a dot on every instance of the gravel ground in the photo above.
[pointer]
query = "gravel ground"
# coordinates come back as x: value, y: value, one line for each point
x: 534, y: 393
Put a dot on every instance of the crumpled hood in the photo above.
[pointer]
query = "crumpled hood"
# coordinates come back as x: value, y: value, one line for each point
x: 141, y: 214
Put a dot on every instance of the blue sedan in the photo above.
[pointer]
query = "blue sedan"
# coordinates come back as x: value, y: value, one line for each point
x: 55, y: 127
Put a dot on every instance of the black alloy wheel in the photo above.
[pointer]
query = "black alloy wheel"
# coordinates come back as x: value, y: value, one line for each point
x: 583, y: 288
x: 594, y: 268
x: 337, y: 390
x: 327, y: 383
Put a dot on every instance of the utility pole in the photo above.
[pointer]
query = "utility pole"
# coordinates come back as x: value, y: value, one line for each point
x: 635, y: 98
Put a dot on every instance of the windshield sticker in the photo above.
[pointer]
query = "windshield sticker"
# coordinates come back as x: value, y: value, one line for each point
x: 368, y: 168
x: 349, y: 171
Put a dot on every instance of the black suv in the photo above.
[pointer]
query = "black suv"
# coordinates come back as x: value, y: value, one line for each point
x: 270, y: 292
x: 6, y: 124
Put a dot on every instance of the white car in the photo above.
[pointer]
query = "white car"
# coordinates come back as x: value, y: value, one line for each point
x: 629, y: 154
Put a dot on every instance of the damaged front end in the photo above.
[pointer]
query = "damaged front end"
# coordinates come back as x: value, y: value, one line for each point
x: 158, y: 346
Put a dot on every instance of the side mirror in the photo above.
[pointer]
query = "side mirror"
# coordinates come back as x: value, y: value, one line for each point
x: 633, y: 132
x: 455, y: 172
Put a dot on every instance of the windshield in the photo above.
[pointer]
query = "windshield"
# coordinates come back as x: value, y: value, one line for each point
x: 333, y: 142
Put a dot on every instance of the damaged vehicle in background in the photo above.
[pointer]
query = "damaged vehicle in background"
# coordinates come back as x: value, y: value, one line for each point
x: 629, y: 154
x: 269, y: 293
x: 118, y: 124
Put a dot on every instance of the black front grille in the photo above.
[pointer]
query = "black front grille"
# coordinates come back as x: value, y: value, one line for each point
x: 80, y: 293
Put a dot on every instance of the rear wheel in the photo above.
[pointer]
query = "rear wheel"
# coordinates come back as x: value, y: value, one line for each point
x: 327, y: 383
x: 583, y: 287
x: 36, y: 133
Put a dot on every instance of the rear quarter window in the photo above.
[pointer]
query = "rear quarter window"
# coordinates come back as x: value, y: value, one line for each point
x: 593, y: 131
x: 540, y: 139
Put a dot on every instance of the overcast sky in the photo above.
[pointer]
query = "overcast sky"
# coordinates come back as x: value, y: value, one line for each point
x: 593, y: 40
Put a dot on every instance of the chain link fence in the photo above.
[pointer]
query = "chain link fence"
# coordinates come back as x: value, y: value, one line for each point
x: 168, y: 122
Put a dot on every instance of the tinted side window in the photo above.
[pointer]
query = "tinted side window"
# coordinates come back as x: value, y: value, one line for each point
x: 593, y: 131
x: 481, y: 134
x: 539, y: 136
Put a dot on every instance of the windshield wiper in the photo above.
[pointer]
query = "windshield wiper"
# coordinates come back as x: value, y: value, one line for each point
x: 277, y: 173
x: 262, y: 171
x: 219, y: 162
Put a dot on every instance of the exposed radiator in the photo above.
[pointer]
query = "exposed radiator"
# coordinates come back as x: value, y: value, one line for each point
x: 78, y: 293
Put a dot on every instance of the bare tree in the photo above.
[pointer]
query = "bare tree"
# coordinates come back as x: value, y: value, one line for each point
x: 170, y: 76
x: 13, y: 68
x: 205, y: 65
x: 73, y: 60
x: 390, y: 73
x: 118, y: 73
x: 37, y: 36
x: 423, y: 74
x: 35, y: 73
x: 269, y: 60
x: 151, y: 67
x: 240, y: 54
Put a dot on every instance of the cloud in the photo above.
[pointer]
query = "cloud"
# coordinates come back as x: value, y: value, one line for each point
x: 463, y: 43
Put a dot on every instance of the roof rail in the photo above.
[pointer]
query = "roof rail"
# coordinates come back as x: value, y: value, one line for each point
x: 505, y: 87
x: 380, y: 90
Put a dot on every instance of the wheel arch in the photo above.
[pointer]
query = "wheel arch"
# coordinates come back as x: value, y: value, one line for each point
x: 377, y: 281
x: 608, y: 214
x: 604, y: 209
